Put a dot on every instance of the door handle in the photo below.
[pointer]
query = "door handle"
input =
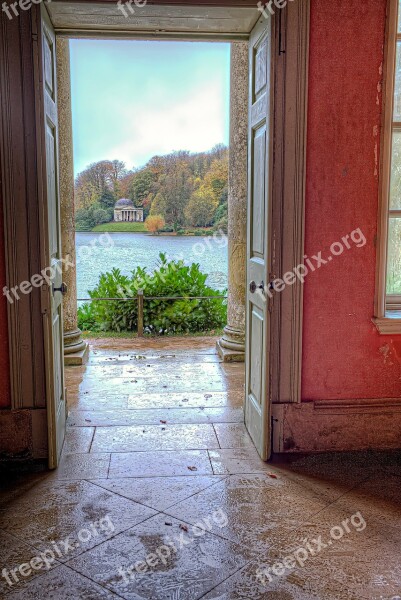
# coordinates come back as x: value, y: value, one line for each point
x: 253, y: 287
x: 63, y: 289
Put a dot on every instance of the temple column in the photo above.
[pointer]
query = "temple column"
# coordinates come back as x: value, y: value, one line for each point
x: 75, y: 349
x: 231, y: 346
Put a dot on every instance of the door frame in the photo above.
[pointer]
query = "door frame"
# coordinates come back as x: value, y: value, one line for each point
x: 23, y: 203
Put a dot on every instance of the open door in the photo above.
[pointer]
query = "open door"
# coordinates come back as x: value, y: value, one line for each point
x: 257, y: 401
x: 52, y: 294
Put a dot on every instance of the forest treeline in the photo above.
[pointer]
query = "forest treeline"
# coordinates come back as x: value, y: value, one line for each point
x: 185, y: 189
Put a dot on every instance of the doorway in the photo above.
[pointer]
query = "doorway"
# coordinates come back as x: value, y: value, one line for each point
x: 258, y: 376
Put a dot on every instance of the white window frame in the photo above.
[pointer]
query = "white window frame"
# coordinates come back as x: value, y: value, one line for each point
x: 387, y: 308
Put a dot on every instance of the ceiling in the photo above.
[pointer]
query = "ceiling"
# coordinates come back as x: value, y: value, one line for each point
x: 106, y: 19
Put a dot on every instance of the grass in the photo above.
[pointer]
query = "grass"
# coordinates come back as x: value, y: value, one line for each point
x: 121, y: 228
x: 140, y: 228
x: 99, y: 335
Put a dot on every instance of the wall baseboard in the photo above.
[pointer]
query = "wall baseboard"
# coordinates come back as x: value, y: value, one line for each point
x: 337, y: 425
x: 23, y: 435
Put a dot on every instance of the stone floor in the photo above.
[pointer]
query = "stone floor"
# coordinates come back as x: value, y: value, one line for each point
x: 161, y: 495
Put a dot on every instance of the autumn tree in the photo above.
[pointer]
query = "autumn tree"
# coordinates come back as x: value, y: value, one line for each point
x: 141, y: 187
x: 154, y: 223
x: 201, y: 208
x: 217, y: 177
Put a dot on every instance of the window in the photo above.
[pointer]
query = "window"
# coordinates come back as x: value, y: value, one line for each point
x: 393, y: 274
x: 388, y: 301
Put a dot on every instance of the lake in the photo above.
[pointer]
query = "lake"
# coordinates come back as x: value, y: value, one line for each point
x: 100, y: 252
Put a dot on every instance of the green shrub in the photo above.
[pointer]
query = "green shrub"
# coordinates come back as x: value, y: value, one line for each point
x: 161, y: 316
x: 167, y: 229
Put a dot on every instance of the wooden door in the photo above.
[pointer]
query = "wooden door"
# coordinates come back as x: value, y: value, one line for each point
x: 52, y: 293
x: 257, y: 402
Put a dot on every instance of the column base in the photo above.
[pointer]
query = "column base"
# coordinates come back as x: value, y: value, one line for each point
x: 231, y: 347
x: 76, y: 351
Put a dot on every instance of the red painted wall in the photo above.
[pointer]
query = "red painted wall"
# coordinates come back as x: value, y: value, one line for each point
x: 5, y: 398
x: 344, y: 355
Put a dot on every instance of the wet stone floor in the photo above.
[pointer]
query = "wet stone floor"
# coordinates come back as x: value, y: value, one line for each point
x: 161, y: 495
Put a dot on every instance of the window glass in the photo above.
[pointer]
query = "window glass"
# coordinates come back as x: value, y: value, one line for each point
x: 397, y: 86
x: 394, y: 257
x: 399, y: 17
x: 395, y: 186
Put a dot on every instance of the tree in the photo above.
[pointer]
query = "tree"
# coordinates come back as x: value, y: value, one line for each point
x: 201, y: 207
x: 141, y: 186
x: 84, y: 219
x: 159, y: 206
x: 85, y: 195
x: 100, y: 216
x: 217, y: 177
x: 107, y: 200
x: 154, y: 223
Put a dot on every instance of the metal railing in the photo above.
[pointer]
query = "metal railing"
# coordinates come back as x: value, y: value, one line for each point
x: 140, y: 298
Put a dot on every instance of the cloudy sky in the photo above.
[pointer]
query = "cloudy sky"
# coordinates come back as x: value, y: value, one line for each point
x: 134, y: 99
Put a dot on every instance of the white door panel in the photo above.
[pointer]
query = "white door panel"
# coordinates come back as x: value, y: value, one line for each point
x: 257, y: 403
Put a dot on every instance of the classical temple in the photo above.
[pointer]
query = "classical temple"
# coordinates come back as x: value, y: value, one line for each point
x: 124, y: 210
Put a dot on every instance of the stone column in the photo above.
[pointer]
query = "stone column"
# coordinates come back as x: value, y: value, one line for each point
x: 231, y: 346
x: 75, y: 349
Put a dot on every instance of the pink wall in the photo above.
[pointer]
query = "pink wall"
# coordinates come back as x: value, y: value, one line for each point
x: 344, y: 355
x: 5, y: 399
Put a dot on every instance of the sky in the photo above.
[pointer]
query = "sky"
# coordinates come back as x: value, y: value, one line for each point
x: 132, y: 100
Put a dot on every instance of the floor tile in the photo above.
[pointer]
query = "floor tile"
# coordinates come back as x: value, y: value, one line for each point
x: 165, y: 464
x: 189, y: 377
x: 13, y: 554
x: 186, y: 399
x: 96, y: 401
x: 78, y: 440
x: 233, y: 435
x: 159, y: 492
x: 378, y: 499
x: 153, y: 416
x: 352, y: 558
x: 242, y: 460
x: 330, y: 475
x: 258, y: 508
x: 60, y: 584
x: 245, y: 585
x: 83, y: 466
x: 183, y: 573
x: 54, y: 512
x: 146, y: 438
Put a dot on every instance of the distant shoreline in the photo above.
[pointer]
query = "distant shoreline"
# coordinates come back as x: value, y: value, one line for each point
x: 141, y: 230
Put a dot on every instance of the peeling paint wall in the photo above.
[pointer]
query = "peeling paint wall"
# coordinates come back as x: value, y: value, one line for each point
x: 343, y: 354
